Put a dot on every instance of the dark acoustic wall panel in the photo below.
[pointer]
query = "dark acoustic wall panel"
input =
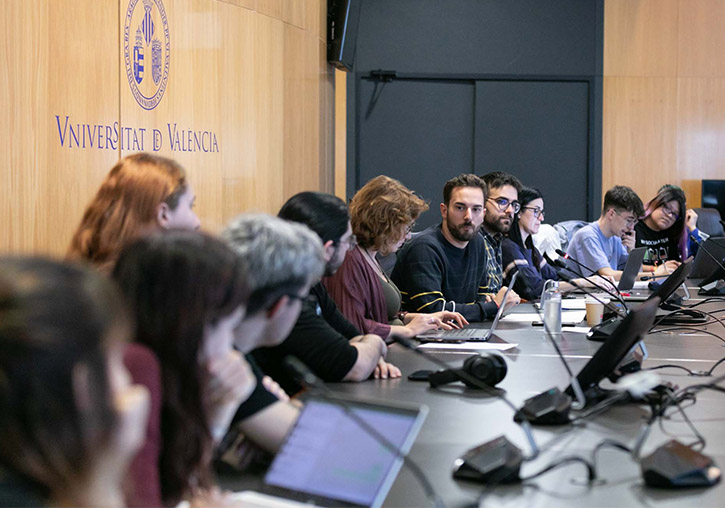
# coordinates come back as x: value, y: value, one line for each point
x: 539, y: 67
x: 491, y: 36
x: 420, y: 133
x: 537, y: 130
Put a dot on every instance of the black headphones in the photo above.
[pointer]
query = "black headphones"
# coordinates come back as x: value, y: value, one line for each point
x: 488, y: 368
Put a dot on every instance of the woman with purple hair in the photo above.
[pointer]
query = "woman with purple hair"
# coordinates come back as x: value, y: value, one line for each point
x: 666, y: 227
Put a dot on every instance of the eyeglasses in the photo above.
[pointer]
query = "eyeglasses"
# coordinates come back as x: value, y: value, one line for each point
x: 538, y: 212
x: 631, y: 221
x: 502, y: 204
x: 669, y: 211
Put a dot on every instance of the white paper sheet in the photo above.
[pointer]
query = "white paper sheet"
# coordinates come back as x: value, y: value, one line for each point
x: 573, y: 317
x: 468, y: 346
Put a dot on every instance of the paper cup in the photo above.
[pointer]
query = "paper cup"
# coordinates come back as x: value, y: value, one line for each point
x: 595, y: 310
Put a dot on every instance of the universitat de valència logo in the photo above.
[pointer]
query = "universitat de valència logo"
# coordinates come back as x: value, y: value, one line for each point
x: 147, y: 49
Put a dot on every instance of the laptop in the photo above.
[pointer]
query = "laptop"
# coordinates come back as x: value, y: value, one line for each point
x: 321, y: 464
x: 704, y: 265
x: 470, y: 334
x: 668, y: 286
x: 632, y: 268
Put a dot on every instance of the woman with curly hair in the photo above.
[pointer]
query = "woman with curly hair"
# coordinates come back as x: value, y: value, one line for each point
x: 141, y: 194
x: 382, y: 214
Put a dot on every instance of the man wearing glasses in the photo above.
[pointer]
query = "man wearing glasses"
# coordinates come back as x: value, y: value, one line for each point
x: 502, y: 203
x: 604, y: 245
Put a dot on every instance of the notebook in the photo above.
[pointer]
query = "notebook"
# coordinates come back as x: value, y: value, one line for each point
x: 469, y: 334
x: 329, y: 460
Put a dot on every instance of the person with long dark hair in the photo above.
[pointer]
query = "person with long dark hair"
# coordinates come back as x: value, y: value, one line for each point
x: 70, y: 422
x: 519, y: 253
x: 666, y: 227
x: 188, y: 293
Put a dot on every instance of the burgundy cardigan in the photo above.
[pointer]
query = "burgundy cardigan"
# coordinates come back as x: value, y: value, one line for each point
x: 358, y: 293
x: 143, y: 485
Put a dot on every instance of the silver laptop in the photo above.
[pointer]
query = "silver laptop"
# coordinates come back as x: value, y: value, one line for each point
x: 328, y: 459
x: 470, y: 334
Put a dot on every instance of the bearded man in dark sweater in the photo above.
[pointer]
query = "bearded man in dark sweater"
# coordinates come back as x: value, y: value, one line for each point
x: 444, y: 267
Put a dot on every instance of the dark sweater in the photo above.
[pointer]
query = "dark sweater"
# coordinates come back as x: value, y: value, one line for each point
x: 432, y: 275
x: 531, y: 277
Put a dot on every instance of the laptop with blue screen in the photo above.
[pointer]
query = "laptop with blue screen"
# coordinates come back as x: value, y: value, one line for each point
x: 328, y: 459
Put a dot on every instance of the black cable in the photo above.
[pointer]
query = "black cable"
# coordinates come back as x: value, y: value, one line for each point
x: 591, y: 473
x: 600, y: 406
x: 608, y: 443
x: 706, y: 300
x: 689, y: 329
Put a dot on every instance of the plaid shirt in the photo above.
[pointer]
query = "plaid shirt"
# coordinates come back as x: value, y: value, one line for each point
x: 494, y: 271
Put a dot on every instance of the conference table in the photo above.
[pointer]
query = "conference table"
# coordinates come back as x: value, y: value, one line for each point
x: 462, y: 418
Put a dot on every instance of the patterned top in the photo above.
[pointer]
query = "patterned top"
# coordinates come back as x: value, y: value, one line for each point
x: 494, y: 270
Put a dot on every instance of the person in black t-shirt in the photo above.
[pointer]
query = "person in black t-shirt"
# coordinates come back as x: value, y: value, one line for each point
x: 666, y: 227
x: 322, y: 338
x: 283, y: 260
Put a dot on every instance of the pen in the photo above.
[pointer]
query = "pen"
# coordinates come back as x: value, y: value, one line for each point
x: 540, y: 323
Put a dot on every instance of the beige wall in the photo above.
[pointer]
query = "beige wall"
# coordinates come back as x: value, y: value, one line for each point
x: 664, y: 94
x: 252, y: 73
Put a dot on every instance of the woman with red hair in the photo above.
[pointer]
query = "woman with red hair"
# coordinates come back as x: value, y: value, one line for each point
x: 141, y: 194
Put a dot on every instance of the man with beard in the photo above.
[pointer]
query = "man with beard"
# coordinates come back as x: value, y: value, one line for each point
x: 322, y: 338
x: 444, y: 267
x: 501, y: 205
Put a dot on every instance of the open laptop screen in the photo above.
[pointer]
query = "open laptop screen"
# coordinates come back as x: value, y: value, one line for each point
x: 329, y: 456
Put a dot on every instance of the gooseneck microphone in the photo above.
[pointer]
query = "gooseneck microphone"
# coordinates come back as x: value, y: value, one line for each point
x: 614, y: 294
x: 560, y: 264
x: 305, y: 376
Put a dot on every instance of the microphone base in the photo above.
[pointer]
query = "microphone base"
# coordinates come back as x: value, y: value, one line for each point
x: 496, y: 461
x: 716, y: 288
x: 674, y: 465
x: 604, y: 330
x: 551, y: 407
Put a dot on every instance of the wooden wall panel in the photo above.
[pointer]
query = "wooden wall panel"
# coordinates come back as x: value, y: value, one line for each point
x: 701, y: 133
x: 641, y: 37
x: 639, y: 133
x: 56, y: 63
x: 340, y: 132
x: 701, y: 38
x: 24, y: 103
x: 239, y: 112
x: 269, y: 95
x: 659, y: 126
x: 251, y: 73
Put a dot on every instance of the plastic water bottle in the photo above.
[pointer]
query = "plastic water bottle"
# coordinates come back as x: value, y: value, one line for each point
x: 552, y: 307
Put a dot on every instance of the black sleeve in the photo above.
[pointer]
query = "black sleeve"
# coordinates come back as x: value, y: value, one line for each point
x: 333, y: 316
x: 317, y: 344
x: 258, y: 400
